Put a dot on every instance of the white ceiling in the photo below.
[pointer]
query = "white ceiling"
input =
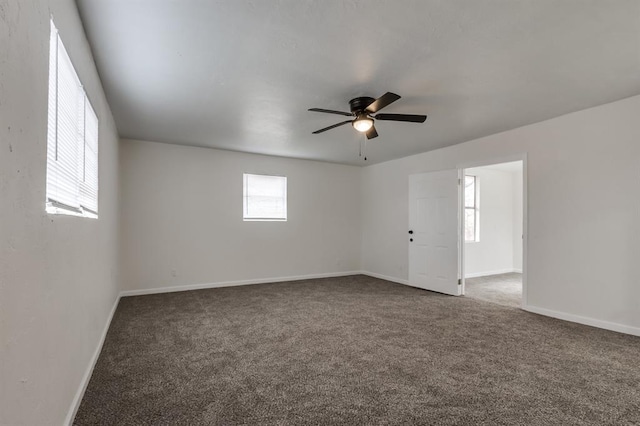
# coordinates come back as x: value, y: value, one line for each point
x: 240, y: 75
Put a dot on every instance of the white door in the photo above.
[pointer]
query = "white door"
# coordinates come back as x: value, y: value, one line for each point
x: 433, y: 231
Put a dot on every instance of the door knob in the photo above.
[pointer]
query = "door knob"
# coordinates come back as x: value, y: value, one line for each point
x: 411, y: 232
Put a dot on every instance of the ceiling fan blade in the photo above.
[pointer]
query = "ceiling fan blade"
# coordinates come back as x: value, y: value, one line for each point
x: 382, y: 101
x: 412, y: 118
x: 371, y: 133
x: 331, y: 127
x: 330, y: 111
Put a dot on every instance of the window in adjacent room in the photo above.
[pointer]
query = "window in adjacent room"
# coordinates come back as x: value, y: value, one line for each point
x: 72, y: 139
x: 265, y: 197
x: 471, y: 222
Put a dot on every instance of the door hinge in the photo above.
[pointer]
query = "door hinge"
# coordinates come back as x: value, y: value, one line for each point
x: 459, y: 281
x: 459, y: 182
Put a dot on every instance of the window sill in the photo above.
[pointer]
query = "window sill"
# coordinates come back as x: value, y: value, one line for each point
x: 50, y: 209
x: 263, y: 220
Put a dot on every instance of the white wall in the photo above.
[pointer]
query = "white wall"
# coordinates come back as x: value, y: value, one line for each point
x: 182, y: 211
x: 583, y: 174
x: 494, y: 252
x: 517, y: 220
x: 58, y: 274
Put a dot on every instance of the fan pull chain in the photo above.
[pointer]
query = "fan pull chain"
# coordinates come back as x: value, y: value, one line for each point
x: 365, y: 149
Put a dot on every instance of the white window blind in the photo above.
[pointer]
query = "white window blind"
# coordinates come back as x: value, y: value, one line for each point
x: 72, y: 140
x: 89, y: 181
x: 265, y: 197
x: 471, y: 225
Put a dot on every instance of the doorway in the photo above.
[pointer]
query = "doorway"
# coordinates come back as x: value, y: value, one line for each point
x: 437, y: 232
x: 492, y: 233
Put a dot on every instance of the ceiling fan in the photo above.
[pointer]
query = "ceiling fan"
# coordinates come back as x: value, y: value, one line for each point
x: 362, y: 109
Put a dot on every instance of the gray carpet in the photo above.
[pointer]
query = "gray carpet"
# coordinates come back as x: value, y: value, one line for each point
x: 353, y: 351
x: 505, y: 289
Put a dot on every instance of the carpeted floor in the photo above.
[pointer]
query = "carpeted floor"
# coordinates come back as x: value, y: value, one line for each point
x: 353, y: 351
x: 505, y: 289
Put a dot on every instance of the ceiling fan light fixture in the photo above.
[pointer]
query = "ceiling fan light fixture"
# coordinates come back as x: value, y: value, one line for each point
x: 362, y: 108
x: 362, y: 123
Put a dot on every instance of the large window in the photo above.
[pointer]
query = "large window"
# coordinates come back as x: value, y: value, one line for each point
x: 471, y: 213
x: 265, y: 198
x: 72, y: 139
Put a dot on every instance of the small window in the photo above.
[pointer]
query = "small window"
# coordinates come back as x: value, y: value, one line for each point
x: 265, y: 197
x: 471, y: 222
x: 72, y: 139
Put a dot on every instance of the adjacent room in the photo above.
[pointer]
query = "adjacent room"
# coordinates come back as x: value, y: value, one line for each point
x: 493, y: 233
x: 309, y: 212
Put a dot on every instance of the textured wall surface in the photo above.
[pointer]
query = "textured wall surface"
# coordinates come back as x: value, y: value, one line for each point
x: 58, y: 274
x: 518, y: 219
x: 182, y: 218
x: 583, y: 228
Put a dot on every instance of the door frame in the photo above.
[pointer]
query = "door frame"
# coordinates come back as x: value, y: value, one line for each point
x: 525, y: 229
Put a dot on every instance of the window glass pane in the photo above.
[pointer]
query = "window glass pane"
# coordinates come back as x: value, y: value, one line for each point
x: 63, y: 169
x: 265, y: 207
x: 89, y: 176
x: 265, y: 197
x: 52, y: 107
x: 265, y: 186
x: 469, y: 224
x: 469, y: 191
x: 72, y: 139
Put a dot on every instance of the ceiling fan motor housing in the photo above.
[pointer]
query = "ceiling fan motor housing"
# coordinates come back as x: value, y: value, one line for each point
x: 358, y: 105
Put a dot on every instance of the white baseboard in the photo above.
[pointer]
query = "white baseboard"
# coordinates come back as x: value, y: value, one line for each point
x: 620, y: 328
x: 77, y: 399
x: 487, y: 273
x: 187, y: 287
x: 385, y: 277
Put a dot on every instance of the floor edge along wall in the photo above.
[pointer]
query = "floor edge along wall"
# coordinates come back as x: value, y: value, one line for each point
x: 87, y: 376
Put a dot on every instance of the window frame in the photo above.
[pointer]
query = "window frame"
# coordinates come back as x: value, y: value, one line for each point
x: 72, y: 138
x: 245, y: 199
x: 475, y: 207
